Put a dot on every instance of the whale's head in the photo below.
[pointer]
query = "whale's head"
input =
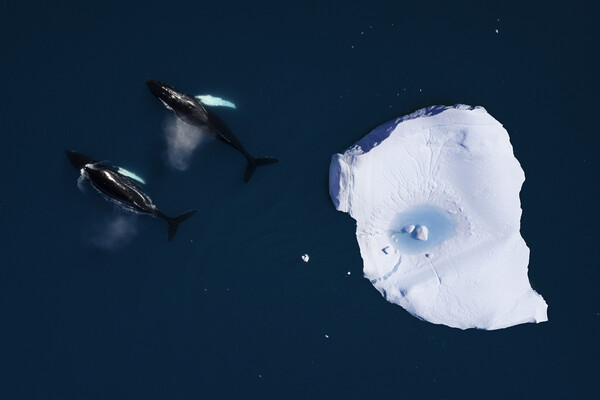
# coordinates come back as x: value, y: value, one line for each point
x: 184, y: 106
x: 159, y: 89
x: 170, y: 97
x: 79, y: 160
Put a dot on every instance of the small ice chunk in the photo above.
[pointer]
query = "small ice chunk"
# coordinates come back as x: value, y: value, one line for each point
x: 422, y: 233
x: 305, y: 258
x: 409, y: 228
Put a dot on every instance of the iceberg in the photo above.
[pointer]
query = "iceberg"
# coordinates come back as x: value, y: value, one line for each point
x: 435, y: 196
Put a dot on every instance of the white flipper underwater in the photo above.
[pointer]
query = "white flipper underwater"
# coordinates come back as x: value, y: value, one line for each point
x: 209, y: 100
x: 131, y: 175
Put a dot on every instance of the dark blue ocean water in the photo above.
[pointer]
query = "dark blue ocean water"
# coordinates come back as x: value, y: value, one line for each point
x: 228, y: 309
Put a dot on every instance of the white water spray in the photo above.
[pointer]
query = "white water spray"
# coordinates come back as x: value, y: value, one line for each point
x: 182, y: 139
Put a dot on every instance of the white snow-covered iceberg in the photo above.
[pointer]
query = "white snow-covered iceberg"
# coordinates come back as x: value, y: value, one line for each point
x: 435, y: 196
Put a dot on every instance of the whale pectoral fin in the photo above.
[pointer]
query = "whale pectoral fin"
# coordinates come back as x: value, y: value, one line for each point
x: 131, y: 175
x: 209, y: 100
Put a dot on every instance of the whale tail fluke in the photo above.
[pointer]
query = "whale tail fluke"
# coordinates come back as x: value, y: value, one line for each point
x: 257, y: 162
x: 174, y: 222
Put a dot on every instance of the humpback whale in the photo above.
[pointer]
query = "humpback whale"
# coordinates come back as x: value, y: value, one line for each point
x: 120, y: 186
x: 191, y: 111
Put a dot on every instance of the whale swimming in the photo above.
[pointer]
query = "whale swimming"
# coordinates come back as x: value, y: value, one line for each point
x: 122, y: 187
x: 191, y: 111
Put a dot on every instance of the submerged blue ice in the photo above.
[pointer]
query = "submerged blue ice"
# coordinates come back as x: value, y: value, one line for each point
x: 440, y: 224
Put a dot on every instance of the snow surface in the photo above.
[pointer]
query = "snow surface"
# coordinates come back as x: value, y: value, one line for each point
x: 452, y: 170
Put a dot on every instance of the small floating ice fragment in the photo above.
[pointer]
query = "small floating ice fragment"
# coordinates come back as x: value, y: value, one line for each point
x: 305, y: 258
x: 409, y: 228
